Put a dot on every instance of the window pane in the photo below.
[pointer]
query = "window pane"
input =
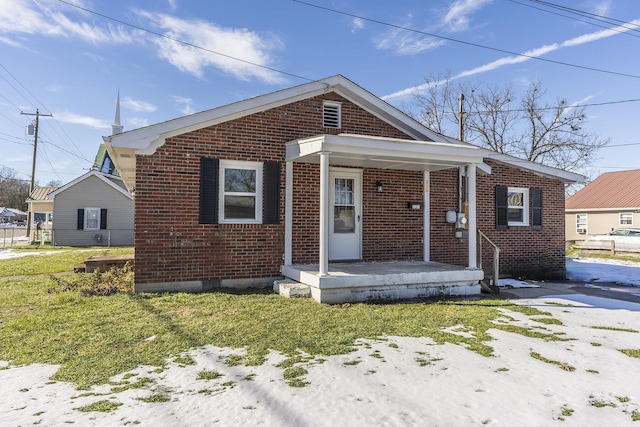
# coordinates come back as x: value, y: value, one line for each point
x: 92, y: 218
x: 344, y: 220
x: 515, y: 199
x: 343, y: 191
x: 240, y: 180
x: 626, y: 218
x: 515, y: 215
x: 239, y: 207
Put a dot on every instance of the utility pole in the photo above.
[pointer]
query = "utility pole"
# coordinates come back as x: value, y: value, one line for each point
x: 33, y: 165
x: 460, y: 119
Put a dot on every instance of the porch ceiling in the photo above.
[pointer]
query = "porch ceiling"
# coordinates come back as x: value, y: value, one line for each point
x: 384, y: 153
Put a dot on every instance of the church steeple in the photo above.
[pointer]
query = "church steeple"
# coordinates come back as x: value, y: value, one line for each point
x: 116, y: 127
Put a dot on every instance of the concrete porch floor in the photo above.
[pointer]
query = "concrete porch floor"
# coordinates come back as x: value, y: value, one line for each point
x: 365, y: 281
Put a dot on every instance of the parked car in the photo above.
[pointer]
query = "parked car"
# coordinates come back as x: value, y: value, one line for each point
x: 21, y: 223
x: 624, y: 238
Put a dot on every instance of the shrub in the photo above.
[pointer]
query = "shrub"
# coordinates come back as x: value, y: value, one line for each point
x: 115, y: 280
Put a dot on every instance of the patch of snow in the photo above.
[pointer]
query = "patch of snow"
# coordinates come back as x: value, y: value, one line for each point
x: 515, y: 284
x: 604, y: 271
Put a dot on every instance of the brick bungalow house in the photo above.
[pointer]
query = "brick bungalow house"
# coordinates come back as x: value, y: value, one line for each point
x: 330, y: 186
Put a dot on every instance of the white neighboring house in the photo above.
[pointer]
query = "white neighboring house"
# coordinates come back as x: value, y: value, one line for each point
x: 93, y: 209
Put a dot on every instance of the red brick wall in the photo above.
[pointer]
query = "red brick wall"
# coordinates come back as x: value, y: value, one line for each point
x: 524, y: 252
x: 171, y: 245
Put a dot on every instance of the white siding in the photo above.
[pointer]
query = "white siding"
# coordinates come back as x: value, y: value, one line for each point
x: 92, y: 192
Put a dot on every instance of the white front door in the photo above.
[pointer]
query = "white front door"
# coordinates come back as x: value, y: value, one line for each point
x: 345, y: 223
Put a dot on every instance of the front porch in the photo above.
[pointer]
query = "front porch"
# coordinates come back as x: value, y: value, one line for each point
x: 371, y: 281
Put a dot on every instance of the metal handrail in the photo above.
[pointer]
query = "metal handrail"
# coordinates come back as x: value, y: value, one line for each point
x: 496, y: 256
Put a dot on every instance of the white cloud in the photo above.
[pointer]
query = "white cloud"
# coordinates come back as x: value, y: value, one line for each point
x: 530, y: 54
x: 403, y: 42
x: 184, y: 104
x: 235, y: 51
x: 136, y: 105
x: 45, y: 18
x: 357, y: 24
x: 241, y: 52
x: 138, y: 122
x: 602, y: 8
x: 74, y: 118
x: 457, y: 17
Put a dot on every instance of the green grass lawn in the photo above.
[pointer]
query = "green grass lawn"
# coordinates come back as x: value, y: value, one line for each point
x: 94, y: 338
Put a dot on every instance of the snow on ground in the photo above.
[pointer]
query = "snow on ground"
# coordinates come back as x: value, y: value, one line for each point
x: 604, y: 271
x: 584, y: 381
x: 10, y: 253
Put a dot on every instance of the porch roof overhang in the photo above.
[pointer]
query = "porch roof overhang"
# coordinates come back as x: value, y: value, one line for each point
x: 385, y: 153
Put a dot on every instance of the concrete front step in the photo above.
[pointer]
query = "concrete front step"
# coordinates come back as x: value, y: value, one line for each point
x: 291, y: 289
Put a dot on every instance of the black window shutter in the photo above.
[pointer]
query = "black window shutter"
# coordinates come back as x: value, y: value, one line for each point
x: 209, y: 169
x: 502, y: 208
x: 80, y: 219
x: 536, y: 208
x: 271, y: 193
x: 103, y: 219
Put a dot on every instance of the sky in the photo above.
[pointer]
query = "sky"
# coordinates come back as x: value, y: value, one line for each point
x: 69, y: 59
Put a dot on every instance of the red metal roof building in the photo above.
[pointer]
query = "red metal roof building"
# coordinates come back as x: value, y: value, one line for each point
x: 609, y: 202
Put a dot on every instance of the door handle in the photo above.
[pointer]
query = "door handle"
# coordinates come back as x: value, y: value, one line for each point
x: 358, y: 218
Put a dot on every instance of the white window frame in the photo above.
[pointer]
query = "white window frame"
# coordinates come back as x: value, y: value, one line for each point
x: 579, y: 225
x: 86, y: 219
x: 524, y: 207
x: 338, y: 107
x: 237, y: 164
x: 630, y: 214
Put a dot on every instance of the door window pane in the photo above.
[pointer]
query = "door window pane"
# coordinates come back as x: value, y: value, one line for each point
x: 343, y: 191
x: 344, y: 219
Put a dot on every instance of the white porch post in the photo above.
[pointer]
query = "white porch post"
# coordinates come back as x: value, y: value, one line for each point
x: 426, y: 222
x: 288, y: 214
x: 324, y: 214
x: 471, y: 221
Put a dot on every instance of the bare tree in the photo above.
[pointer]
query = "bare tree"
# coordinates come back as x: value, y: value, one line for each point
x: 552, y: 135
x: 13, y: 191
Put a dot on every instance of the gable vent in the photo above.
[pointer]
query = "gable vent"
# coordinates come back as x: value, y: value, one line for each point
x: 331, y: 115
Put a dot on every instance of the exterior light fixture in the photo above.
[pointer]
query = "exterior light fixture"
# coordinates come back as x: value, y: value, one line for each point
x: 379, y: 186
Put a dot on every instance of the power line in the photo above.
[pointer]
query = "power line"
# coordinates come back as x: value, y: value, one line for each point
x: 520, y: 110
x: 28, y: 91
x: 376, y: 21
x: 67, y: 151
x: 586, y: 14
x: 69, y: 141
x: 579, y: 20
x: 186, y: 43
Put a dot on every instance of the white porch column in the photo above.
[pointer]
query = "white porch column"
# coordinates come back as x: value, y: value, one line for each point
x: 426, y: 221
x: 288, y: 214
x: 324, y: 214
x: 471, y: 221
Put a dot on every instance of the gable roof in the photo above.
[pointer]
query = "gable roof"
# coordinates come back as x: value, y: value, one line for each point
x: 610, y: 190
x: 124, y: 147
x: 40, y: 194
x: 112, y: 181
